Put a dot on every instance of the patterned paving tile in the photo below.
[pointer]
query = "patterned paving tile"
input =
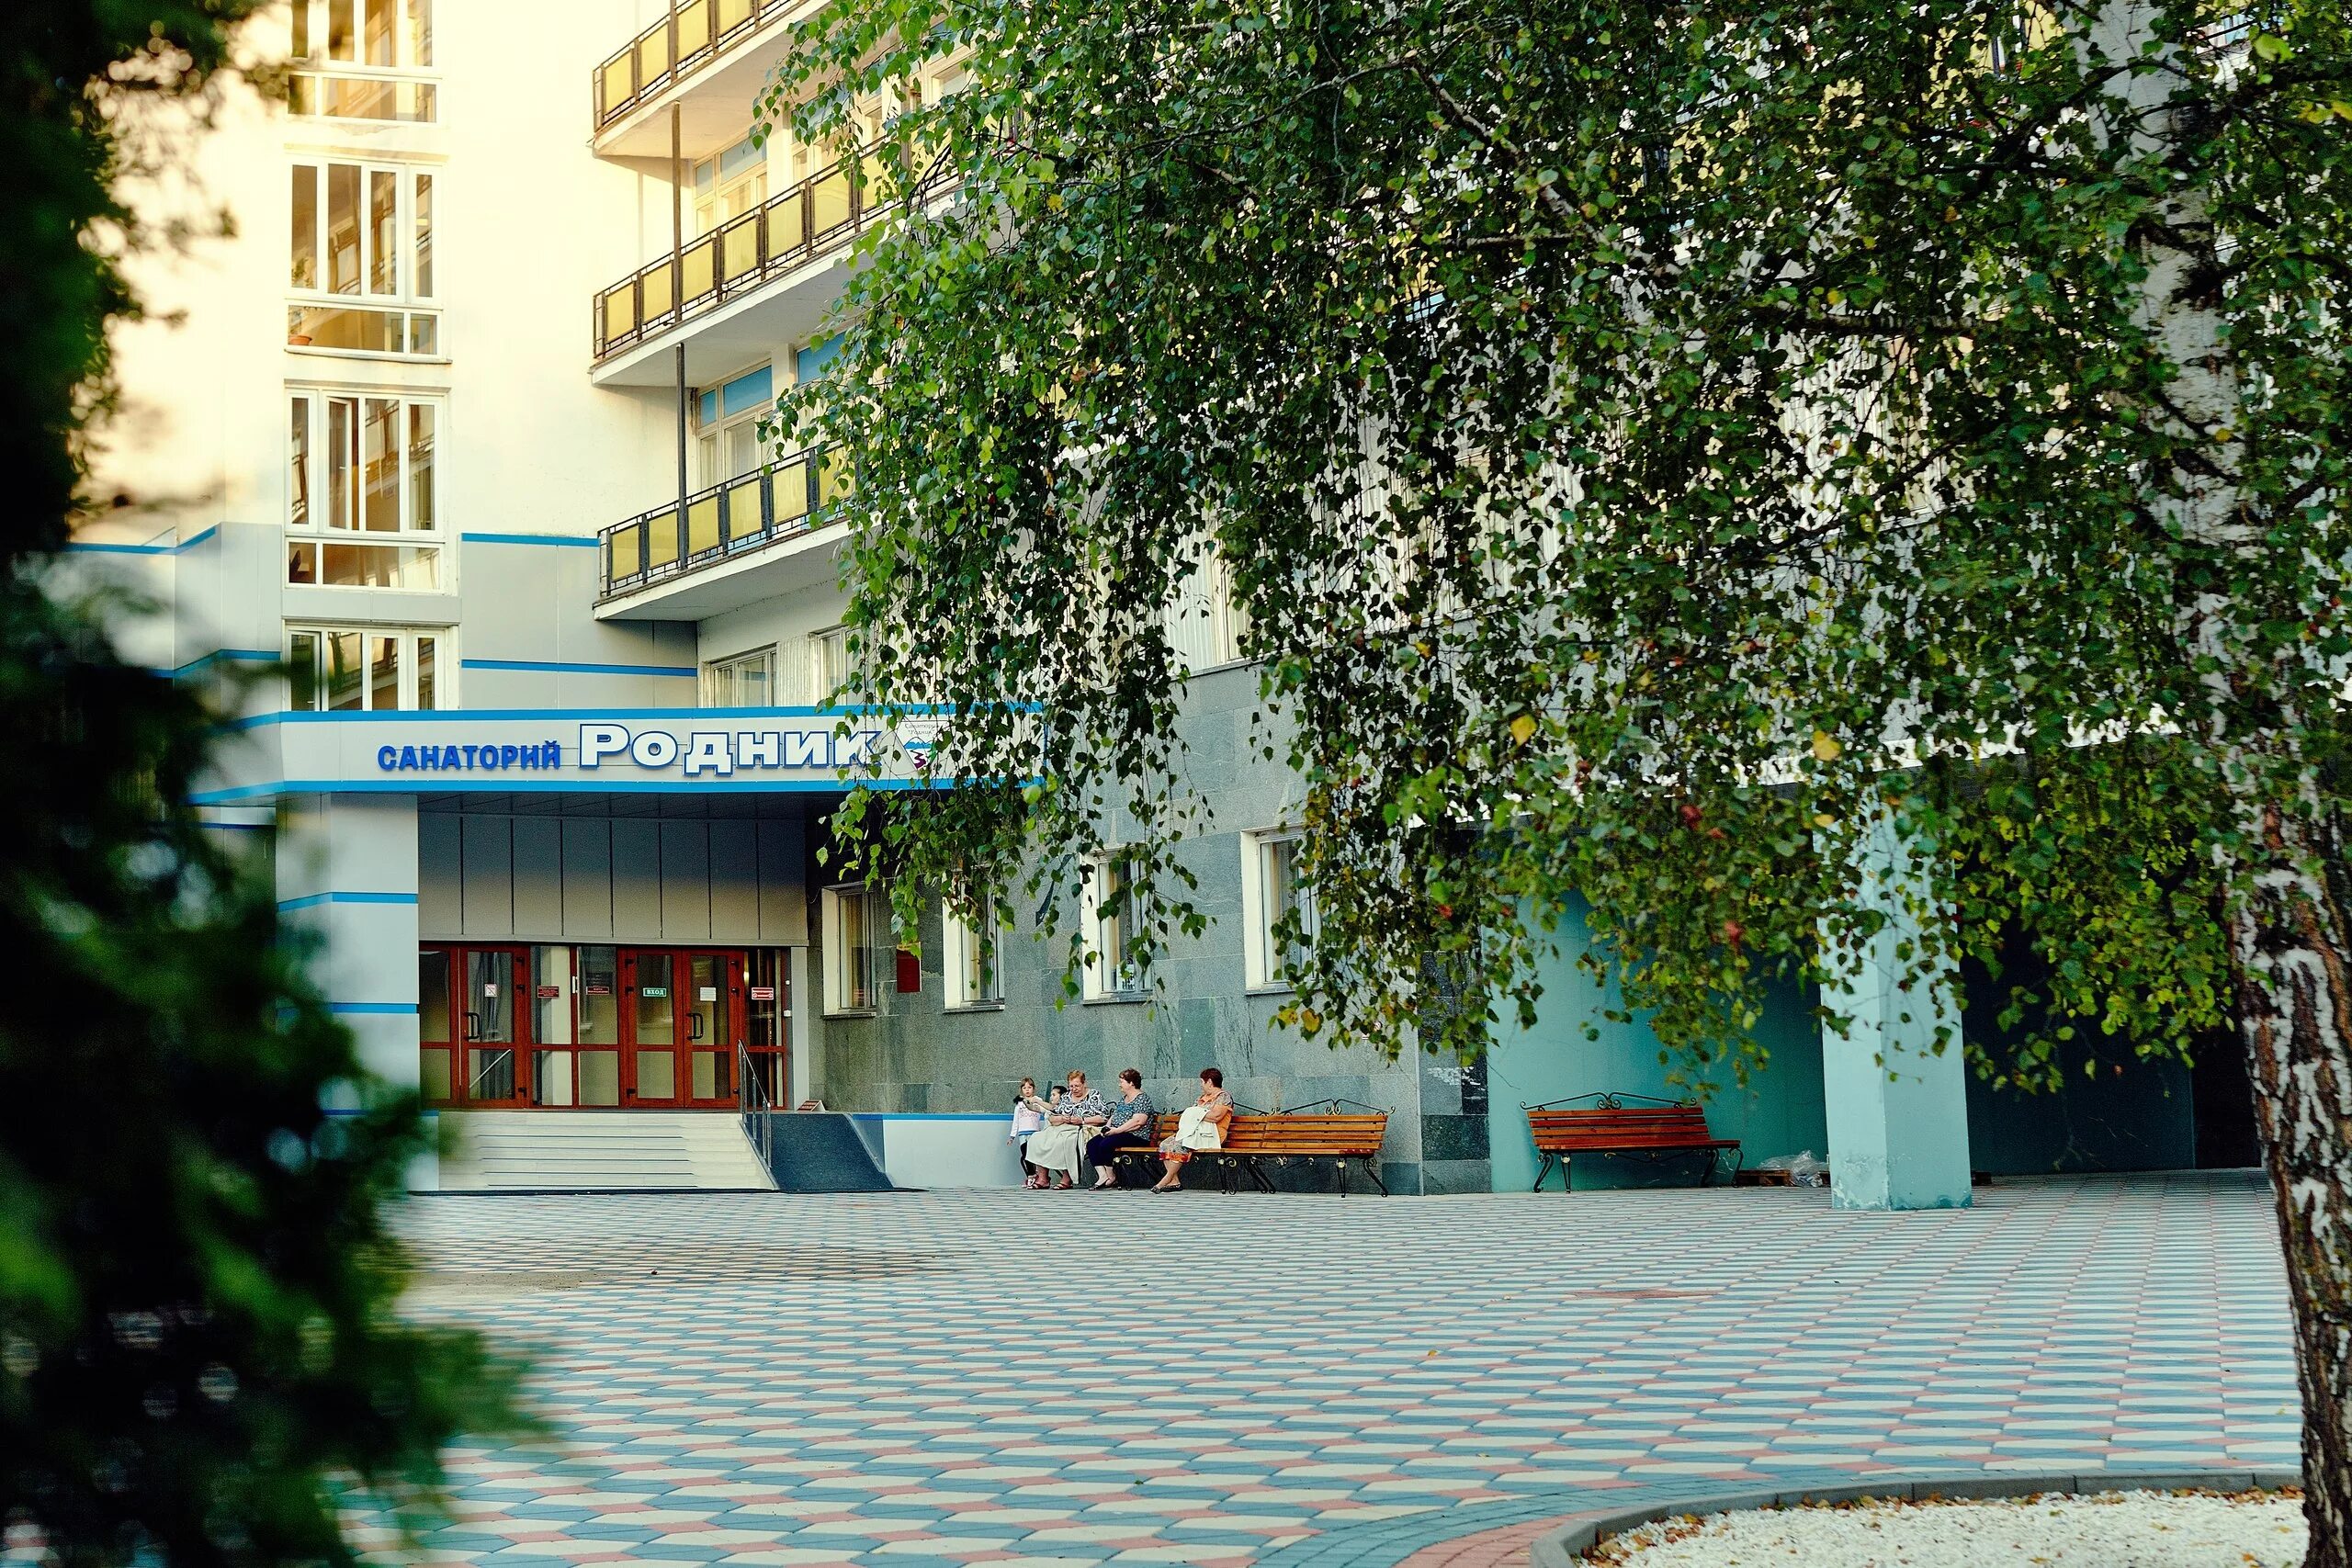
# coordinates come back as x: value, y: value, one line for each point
x: 949, y: 1378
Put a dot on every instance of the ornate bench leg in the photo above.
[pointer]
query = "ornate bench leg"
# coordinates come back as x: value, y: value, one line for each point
x: 1372, y: 1169
x: 1541, y: 1172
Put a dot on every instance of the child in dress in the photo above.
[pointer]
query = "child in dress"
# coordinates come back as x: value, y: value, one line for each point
x: 1028, y: 1115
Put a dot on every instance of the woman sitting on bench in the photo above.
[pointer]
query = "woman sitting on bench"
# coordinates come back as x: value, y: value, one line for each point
x: 1200, y: 1130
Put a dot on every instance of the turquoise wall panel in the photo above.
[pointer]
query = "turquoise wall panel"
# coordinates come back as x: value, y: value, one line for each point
x: 1777, y: 1113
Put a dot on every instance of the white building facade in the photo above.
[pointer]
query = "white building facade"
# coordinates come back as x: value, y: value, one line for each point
x: 459, y: 423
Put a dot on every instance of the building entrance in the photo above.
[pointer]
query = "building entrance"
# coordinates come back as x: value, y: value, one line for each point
x: 556, y: 1027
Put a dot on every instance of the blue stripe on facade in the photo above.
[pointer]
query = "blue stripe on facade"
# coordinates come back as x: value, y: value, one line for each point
x: 231, y: 655
x: 313, y: 899
x: 588, y: 714
x: 188, y: 544
x: 564, y: 541
x: 374, y: 1010
x: 508, y: 785
x: 537, y: 666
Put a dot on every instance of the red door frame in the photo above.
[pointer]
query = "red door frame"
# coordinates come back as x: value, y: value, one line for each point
x: 684, y: 1016
x: 521, y: 1008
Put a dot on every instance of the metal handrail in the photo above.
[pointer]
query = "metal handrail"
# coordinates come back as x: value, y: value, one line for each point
x: 756, y: 1106
x: 778, y: 501
x: 820, y: 214
x: 690, y: 35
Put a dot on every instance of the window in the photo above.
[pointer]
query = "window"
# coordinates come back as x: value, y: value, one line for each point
x: 728, y: 185
x: 1205, y: 625
x: 852, y: 950
x: 1111, y: 925
x: 969, y: 954
x: 727, y: 421
x: 385, y: 34
x: 362, y: 236
x: 375, y: 43
x: 830, y: 667
x: 362, y: 467
x: 1271, y: 891
x: 746, y: 680
x: 365, y: 669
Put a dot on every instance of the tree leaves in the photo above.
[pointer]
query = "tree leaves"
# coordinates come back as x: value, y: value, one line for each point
x: 1607, y: 409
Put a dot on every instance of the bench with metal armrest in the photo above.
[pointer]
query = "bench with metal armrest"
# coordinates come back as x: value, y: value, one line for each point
x: 1625, y: 1124
x: 1256, y: 1138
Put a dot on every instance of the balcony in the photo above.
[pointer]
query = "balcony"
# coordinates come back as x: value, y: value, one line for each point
x: 713, y: 539
x: 694, y: 36
x: 737, y: 261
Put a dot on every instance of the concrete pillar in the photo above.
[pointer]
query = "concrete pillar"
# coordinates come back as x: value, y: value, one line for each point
x: 1897, y: 1111
x: 346, y: 875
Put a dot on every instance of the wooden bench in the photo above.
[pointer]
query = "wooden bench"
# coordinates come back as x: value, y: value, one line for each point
x: 1255, y: 1138
x: 1609, y: 1125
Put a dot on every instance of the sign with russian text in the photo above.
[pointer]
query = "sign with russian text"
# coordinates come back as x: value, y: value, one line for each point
x: 685, y: 750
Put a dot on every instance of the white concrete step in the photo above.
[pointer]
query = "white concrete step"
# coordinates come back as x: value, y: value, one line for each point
x: 583, y: 1150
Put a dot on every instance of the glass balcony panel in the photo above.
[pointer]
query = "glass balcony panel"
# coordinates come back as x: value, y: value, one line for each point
x: 694, y: 27
x: 696, y: 265
x: 877, y: 180
x: 653, y: 55
x: 829, y: 201
x: 738, y: 245
x: 619, y: 80
x: 833, y: 476
x: 743, y: 507
x: 628, y: 552
x: 788, y: 221
x: 791, y: 486
x: 620, y: 314
x: 702, y: 524
x: 733, y: 14
x: 660, y: 540
x: 655, y: 291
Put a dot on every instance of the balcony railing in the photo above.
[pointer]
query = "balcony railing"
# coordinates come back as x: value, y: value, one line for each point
x: 690, y: 37
x: 821, y: 213
x: 716, y: 524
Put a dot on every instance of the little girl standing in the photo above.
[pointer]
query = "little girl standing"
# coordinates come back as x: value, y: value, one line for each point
x: 1028, y: 1116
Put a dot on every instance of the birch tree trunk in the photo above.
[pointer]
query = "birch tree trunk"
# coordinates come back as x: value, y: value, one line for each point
x: 2295, y: 1000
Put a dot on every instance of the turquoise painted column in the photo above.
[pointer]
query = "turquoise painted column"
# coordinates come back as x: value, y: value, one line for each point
x: 1897, y: 1111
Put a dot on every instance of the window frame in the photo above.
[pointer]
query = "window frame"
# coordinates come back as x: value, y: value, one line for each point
x: 961, y: 950
x: 310, y: 468
x: 1262, y: 961
x: 821, y: 690
x: 414, y: 293
x: 713, y: 434
x: 1100, y: 889
x: 715, y: 671
x: 412, y: 641
x: 839, y: 958
x: 411, y: 34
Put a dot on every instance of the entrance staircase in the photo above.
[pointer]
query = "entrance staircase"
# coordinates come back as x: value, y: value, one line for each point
x: 597, y: 1151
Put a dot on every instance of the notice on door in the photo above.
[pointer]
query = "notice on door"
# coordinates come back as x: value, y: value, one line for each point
x: 656, y: 991
x: 707, y: 994
x: 763, y: 993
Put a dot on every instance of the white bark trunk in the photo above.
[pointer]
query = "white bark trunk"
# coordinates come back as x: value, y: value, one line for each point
x: 2295, y: 1007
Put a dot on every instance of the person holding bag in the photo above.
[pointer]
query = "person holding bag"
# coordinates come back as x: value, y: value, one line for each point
x: 1200, y: 1130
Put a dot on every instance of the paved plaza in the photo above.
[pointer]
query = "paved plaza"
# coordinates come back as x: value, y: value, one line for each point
x: 1248, y: 1381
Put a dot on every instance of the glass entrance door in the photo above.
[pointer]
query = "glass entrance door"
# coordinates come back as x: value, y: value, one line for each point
x: 474, y: 1024
x: 497, y: 1023
x: 685, y: 1011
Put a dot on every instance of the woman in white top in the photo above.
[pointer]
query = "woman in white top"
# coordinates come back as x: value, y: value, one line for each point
x: 1200, y: 1130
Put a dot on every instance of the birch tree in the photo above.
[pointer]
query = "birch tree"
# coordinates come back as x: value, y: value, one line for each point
x: 1648, y: 444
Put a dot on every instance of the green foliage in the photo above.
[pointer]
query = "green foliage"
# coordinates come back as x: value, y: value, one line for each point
x: 1650, y: 443
x: 201, y: 1352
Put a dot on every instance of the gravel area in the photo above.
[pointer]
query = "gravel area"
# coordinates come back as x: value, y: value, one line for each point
x: 2113, y: 1530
